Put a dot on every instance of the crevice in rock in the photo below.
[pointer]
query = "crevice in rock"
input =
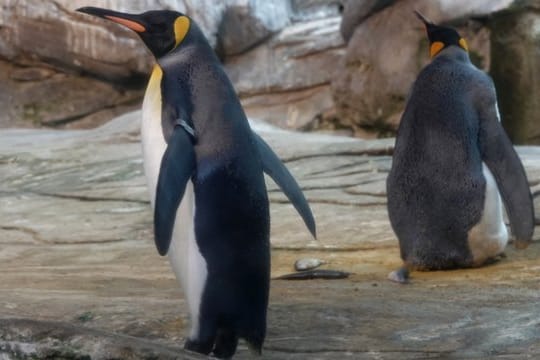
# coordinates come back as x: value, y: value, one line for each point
x: 331, y: 248
x: 343, y: 187
x: 26, y: 230
x: 333, y: 202
x: 87, y: 242
x: 345, y: 174
x: 88, y: 198
x: 337, y: 168
x: 369, y: 152
x: 274, y: 91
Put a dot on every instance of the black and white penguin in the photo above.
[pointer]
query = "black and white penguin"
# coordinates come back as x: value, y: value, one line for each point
x: 204, y: 168
x: 452, y: 163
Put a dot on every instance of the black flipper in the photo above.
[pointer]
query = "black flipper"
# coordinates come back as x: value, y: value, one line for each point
x: 499, y: 155
x: 177, y: 167
x: 273, y: 166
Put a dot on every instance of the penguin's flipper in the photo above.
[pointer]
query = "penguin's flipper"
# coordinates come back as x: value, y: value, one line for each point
x: 501, y: 158
x: 177, y: 167
x: 273, y: 166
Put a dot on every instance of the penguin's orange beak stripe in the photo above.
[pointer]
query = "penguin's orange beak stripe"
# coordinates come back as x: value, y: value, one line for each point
x: 135, y: 26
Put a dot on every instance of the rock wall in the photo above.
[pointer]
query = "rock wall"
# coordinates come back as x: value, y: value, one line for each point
x: 280, y: 53
x: 51, y: 31
x: 303, y: 64
x: 515, y: 39
x: 386, y: 51
x: 286, y: 80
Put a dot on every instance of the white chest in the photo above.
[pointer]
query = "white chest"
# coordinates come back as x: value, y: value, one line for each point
x: 153, y: 142
x: 184, y: 256
x: 489, y: 237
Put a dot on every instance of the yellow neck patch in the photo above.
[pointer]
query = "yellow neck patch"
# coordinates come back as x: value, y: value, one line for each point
x: 181, y: 27
x: 435, y: 48
x: 156, y: 76
x: 153, y: 89
x: 463, y: 44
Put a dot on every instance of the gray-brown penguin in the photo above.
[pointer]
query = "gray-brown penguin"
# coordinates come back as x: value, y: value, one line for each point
x: 452, y: 164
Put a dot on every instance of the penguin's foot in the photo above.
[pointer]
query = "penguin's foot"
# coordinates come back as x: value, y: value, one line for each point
x: 201, y: 347
x: 521, y: 244
x: 400, y: 275
x: 226, y: 343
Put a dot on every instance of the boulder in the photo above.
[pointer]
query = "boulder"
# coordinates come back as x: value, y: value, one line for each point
x: 243, y: 26
x: 515, y: 52
x: 386, y: 52
x: 286, y: 79
x: 41, y: 96
x: 315, y: 9
x: 354, y: 12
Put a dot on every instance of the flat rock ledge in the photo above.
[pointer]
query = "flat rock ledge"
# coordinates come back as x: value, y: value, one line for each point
x: 80, y: 278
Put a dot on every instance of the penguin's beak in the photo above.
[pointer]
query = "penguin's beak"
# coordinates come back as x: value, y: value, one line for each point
x: 425, y: 20
x: 130, y: 21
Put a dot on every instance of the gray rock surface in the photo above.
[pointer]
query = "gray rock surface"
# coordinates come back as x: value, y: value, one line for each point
x: 245, y: 25
x: 80, y: 277
x: 315, y: 9
x: 286, y: 80
x: 515, y: 46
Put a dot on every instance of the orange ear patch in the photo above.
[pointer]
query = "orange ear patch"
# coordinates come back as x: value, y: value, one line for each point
x: 435, y: 48
x: 181, y: 28
x: 463, y: 44
x: 135, y: 26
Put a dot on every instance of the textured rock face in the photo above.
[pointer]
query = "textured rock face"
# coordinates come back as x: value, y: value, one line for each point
x: 286, y: 79
x: 287, y: 58
x: 42, y: 96
x: 515, y: 49
x: 281, y: 54
x: 52, y: 32
x: 357, y: 11
x: 314, y: 9
x: 387, y: 50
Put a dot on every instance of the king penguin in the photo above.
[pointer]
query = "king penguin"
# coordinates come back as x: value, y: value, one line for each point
x: 204, y: 167
x: 452, y: 163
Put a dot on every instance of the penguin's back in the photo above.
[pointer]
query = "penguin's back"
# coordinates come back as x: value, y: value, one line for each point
x: 436, y: 186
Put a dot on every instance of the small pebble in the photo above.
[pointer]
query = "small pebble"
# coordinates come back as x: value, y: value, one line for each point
x: 307, y: 264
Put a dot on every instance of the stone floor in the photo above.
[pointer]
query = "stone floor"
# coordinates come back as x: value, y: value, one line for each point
x: 80, y: 277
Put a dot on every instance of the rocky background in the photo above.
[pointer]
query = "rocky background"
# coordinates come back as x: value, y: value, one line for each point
x: 300, y: 64
x: 79, y: 275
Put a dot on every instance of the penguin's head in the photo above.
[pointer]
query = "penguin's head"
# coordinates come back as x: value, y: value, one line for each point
x: 441, y: 37
x: 161, y: 30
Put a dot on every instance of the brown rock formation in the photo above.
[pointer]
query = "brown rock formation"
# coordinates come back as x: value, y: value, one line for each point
x: 387, y: 50
x: 515, y: 50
